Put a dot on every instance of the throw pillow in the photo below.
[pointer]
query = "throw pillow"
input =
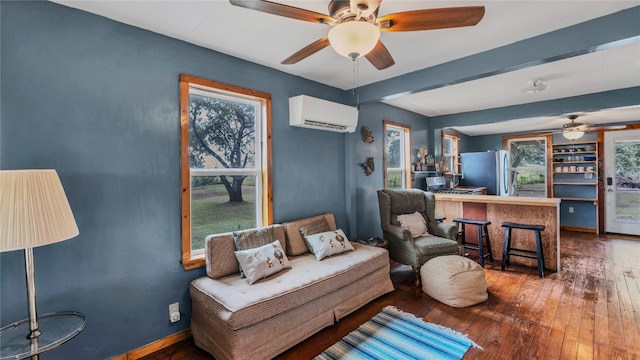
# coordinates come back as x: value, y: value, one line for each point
x: 328, y: 243
x: 258, y: 263
x: 318, y: 226
x: 414, y: 223
x: 252, y: 238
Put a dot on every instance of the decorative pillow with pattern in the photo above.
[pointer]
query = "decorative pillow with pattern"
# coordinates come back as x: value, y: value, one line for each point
x: 260, y: 262
x: 328, y: 243
x: 415, y: 223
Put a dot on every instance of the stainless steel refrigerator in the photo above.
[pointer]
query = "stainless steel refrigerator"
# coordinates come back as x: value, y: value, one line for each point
x: 489, y: 169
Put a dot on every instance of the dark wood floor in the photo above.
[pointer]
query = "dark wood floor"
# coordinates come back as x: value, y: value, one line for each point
x: 589, y: 310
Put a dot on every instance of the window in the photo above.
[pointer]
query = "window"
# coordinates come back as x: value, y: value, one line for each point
x: 225, y: 147
x: 528, y: 154
x: 397, y: 158
x: 450, y: 150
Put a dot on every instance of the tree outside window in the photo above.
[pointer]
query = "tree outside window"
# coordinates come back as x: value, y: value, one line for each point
x: 397, y: 158
x: 224, y: 152
x: 528, y: 157
x: 450, y: 150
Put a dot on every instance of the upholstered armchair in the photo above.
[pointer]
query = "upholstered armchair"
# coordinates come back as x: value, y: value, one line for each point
x: 403, y: 247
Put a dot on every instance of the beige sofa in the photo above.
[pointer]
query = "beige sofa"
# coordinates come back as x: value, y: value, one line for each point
x: 234, y: 320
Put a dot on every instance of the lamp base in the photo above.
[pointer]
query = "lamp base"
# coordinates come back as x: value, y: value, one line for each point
x: 55, y: 329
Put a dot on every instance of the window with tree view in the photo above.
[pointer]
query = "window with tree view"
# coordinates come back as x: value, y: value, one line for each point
x: 225, y: 151
x: 450, y: 151
x: 529, y: 165
x: 397, y: 167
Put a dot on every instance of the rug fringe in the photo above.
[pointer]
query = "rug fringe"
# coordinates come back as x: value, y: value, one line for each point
x: 442, y: 328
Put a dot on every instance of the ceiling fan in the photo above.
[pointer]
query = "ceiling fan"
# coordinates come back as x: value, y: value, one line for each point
x: 575, y: 130
x: 356, y: 26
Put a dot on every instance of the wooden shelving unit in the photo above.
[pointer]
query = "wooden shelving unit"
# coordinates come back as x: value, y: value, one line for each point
x: 575, y: 180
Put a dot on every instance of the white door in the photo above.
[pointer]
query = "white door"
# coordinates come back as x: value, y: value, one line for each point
x: 622, y: 181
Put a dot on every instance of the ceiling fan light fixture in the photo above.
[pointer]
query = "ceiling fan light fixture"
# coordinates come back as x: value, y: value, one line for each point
x: 353, y: 39
x: 572, y: 134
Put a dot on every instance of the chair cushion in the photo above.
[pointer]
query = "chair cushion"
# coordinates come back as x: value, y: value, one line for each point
x: 454, y: 280
x: 435, y: 245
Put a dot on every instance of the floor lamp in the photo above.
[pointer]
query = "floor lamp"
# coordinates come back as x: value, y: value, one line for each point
x: 34, y: 211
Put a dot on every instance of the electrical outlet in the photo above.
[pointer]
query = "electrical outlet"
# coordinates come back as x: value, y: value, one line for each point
x: 174, y: 312
x: 570, y: 209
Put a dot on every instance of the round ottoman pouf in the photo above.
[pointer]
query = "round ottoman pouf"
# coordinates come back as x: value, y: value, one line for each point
x: 454, y: 280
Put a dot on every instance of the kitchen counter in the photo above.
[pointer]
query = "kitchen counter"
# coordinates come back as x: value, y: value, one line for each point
x: 499, y: 209
x: 494, y: 199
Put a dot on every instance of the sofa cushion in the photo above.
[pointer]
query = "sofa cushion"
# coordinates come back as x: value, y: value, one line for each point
x: 328, y: 243
x: 415, y: 223
x: 260, y: 262
x: 295, y: 242
x: 219, y: 252
x: 243, y: 305
x: 253, y: 238
x: 318, y: 226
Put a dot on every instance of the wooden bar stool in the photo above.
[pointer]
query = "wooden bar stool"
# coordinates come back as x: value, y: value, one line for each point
x: 483, y: 233
x: 508, y: 250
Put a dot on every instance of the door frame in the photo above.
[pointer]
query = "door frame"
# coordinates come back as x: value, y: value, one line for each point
x: 602, y: 177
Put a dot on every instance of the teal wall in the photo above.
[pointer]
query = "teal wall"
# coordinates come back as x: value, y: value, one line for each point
x: 98, y: 101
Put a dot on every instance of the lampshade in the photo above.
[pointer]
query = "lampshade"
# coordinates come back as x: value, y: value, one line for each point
x: 572, y: 134
x: 353, y: 39
x: 34, y: 210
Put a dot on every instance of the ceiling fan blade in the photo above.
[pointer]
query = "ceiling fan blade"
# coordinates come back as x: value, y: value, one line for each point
x: 306, y: 51
x: 380, y: 56
x: 284, y: 10
x: 430, y: 19
x: 607, y: 127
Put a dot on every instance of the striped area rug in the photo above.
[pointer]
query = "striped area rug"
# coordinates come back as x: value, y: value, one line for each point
x: 393, y: 334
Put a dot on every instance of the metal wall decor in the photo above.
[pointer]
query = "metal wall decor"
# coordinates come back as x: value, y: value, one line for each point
x: 367, y: 134
x: 368, y: 166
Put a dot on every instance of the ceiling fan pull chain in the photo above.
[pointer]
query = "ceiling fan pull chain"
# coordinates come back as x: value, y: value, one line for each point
x: 355, y: 82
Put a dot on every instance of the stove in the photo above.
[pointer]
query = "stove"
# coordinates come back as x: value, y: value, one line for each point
x: 437, y: 184
x: 453, y: 191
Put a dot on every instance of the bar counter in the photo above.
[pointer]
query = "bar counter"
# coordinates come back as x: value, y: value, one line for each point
x: 500, y: 209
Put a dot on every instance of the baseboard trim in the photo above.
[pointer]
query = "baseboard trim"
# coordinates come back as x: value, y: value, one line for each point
x: 579, y: 229
x: 155, y: 346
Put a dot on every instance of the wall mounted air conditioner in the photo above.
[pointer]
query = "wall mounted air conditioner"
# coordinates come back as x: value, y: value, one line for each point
x: 309, y: 112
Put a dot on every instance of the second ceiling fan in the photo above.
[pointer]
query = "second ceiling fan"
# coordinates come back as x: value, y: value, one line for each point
x: 356, y: 25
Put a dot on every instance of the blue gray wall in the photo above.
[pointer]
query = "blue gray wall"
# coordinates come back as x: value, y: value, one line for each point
x: 98, y: 101
x: 372, y: 115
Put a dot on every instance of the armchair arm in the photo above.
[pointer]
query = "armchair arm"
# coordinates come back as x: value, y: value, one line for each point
x: 399, y: 232
x: 445, y: 230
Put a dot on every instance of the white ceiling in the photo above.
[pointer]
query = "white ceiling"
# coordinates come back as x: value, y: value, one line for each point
x: 268, y: 39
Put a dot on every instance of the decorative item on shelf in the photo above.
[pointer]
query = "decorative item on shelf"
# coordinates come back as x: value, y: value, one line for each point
x: 367, y: 134
x: 368, y: 166
x: 35, y: 212
x: 423, y: 154
x: 440, y: 166
x: 429, y: 160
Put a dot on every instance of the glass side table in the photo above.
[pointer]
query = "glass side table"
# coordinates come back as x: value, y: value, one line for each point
x: 56, y: 327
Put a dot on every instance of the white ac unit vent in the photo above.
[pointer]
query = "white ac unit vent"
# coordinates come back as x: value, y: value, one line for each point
x: 309, y: 112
